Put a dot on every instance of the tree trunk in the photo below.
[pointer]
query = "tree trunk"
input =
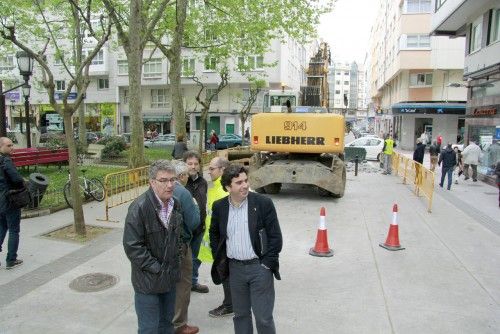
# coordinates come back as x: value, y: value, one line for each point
x: 203, y: 124
x: 134, y: 57
x: 73, y: 169
x: 82, y: 130
x: 174, y: 57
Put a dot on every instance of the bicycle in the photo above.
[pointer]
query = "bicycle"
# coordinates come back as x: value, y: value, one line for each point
x: 89, y: 188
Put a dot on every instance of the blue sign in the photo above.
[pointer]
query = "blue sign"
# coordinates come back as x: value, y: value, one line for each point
x: 59, y: 96
x: 497, y: 133
x: 12, y: 96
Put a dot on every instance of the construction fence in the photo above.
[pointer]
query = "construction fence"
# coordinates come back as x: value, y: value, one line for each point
x: 125, y: 186
x: 412, y: 172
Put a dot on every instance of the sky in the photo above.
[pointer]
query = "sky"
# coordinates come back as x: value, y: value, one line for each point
x: 347, y: 29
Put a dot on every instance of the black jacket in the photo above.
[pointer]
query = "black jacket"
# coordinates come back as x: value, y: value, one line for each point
x: 9, y: 179
x: 152, y: 249
x: 448, y: 158
x: 179, y: 148
x: 434, y: 150
x: 419, y: 153
x: 198, y: 189
x: 265, y: 234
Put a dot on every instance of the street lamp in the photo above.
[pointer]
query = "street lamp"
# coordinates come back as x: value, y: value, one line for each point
x: 25, y: 65
x: 26, y: 93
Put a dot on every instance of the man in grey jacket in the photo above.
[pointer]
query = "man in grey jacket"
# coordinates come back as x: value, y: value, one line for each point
x: 151, y: 240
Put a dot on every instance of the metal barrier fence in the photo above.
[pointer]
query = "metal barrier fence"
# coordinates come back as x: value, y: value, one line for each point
x: 416, y: 173
x: 125, y: 186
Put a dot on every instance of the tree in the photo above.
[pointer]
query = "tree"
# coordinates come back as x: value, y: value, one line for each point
x: 55, y: 25
x: 207, y: 101
x: 141, y: 19
x: 255, y: 87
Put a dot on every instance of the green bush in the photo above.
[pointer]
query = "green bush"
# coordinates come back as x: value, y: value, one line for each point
x: 113, y: 146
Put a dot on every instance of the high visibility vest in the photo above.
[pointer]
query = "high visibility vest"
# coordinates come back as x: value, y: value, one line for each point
x: 389, y: 144
x: 214, y: 193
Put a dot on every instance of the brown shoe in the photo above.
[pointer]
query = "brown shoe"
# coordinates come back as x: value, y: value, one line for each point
x: 200, y: 288
x: 186, y: 329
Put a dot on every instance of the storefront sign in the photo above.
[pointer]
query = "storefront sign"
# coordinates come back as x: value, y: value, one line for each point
x: 12, y: 96
x: 402, y: 108
x: 484, y: 111
x: 59, y: 96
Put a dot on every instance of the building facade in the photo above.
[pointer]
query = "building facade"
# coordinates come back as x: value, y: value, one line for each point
x: 479, y: 22
x: 411, y: 73
x: 106, y: 101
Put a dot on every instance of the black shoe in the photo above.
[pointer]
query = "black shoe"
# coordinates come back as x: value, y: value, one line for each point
x: 221, y: 311
x: 200, y: 288
x: 441, y: 185
x: 474, y: 180
x: 466, y: 178
x: 16, y: 263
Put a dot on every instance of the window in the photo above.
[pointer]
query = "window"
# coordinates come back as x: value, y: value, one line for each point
x: 420, y: 79
x: 159, y: 98
x: 417, y: 6
x: 251, y: 63
x: 439, y: 3
x: 212, y: 92
x: 97, y: 60
x: 122, y: 67
x: 58, y: 60
x: 187, y: 67
x: 337, y: 92
x: 210, y: 63
x: 346, y: 83
x: 337, y: 82
x: 210, y: 35
x: 125, y: 96
x: 103, y: 83
x: 346, y: 73
x: 338, y: 73
x: 415, y: 41
x: 494, y: 26
x: 245, y: 95
x: 337, y: 101
x: 6, y: 63
x: 152, y: 69
x: 476, y: 34
x: 60, y: 85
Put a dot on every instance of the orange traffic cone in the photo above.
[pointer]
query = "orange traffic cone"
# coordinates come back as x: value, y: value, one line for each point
x: 321, y: 247
x: 392, y: 242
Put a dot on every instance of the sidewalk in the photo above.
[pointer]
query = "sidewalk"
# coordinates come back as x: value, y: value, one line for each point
x: 445, y: 281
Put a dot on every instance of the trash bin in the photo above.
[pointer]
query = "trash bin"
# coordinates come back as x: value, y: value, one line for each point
x: 37, y: 185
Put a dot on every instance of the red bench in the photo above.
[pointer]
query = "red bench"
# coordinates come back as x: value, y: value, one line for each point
x: 38, y: 156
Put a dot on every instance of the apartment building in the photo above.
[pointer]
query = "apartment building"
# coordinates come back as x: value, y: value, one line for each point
x: 347, y: 86
x: 411, y: 73
x: 106, y: 102
x: 479, y: 22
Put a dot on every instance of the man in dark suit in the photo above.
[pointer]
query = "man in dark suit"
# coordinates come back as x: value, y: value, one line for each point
x: 245, y: 238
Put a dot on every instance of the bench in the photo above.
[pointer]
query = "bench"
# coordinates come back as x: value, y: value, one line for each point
x: 38, y: 156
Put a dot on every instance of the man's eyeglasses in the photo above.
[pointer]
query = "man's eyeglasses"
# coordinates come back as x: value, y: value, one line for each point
x: 213, y: 168
x: 165, y: 181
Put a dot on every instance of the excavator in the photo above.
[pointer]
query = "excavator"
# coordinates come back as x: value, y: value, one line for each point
x: 300, y: 144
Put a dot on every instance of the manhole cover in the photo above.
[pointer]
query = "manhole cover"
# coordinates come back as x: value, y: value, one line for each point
x: 93, y: 282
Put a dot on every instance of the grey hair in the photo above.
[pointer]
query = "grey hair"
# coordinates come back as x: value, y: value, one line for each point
x: 160, y: 165
x: 181, y: 168
x: 222, y: 162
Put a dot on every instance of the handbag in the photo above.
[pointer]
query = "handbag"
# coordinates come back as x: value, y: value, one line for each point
x: 19, y: 198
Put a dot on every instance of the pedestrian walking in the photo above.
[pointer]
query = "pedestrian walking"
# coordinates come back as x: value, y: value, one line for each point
x: 497, y: 172
x: 439, y: 140
x: 246, y: 240
x: 10, y: 217
x: 214, y: 139
x: 434, y: 151
x: 418, y: 156
x: 460, y: 166
x: 449, y: 159
x: 151, y: 240
x: 215, y: 169
x: 471, y: 156
x: 197, y: 186
x: 388, y: 150
x: 180, y: 147
x: 191, y: 221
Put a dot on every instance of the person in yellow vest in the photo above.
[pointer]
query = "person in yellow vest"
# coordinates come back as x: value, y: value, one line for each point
x: 388, y: 150
x: 215, y: 169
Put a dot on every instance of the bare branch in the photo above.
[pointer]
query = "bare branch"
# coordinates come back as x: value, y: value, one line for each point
x: 154, y: 20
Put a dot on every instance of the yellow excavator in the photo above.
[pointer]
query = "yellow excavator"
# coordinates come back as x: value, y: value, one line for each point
x: 300, y: 144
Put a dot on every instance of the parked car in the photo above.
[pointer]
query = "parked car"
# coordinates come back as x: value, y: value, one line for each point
x: 167, y: 140
x: 227, y: 140
x: 372, y: 145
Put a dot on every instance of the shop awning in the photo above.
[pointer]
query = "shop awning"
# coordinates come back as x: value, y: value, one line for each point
x: 156, y: 118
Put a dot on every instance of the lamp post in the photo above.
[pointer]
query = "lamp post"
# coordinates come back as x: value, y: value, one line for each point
x: 26, y: 93
x: 25, y: 65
